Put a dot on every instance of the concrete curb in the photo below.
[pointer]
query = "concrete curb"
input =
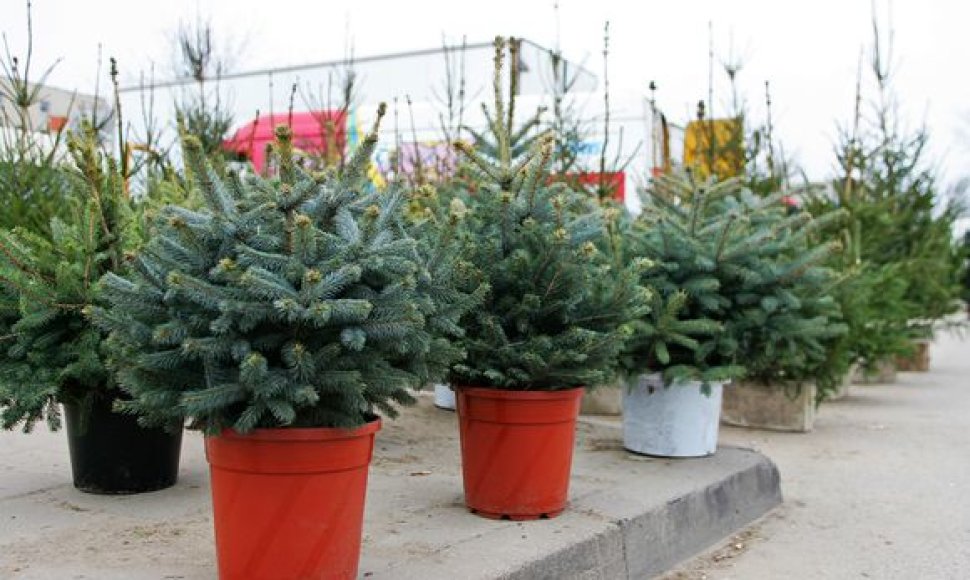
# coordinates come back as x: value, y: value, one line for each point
x: 643, y: 544
x: 629, y: 516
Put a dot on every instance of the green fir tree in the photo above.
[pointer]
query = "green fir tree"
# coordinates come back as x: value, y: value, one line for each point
x: 516, y: 141
x: 549, y: 322
x: 50, y: 352
x: 743, y: 285
x: 901, y: 273
x: 965, y: 252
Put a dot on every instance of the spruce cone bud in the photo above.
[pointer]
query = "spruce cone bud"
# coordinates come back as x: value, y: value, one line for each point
x: 427, y: 191
x: 189, y: 345
x: 372, y: 211
x: 647, y: 294
x: 302, y: 221
x: 254, y: 359
x: 643, y: 263
x: 313, y: 276
x: 561, y: 234
x: 457, y: 209
x: 192, y: 143
x: 283, y: 133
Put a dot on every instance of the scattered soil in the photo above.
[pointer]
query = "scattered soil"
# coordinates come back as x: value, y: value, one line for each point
x: 721, y: 557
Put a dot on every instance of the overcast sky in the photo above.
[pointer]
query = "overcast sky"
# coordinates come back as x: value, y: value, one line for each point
x: 807, y: 49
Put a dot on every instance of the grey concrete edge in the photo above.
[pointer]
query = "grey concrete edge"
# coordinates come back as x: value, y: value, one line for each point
x: 655, y: 541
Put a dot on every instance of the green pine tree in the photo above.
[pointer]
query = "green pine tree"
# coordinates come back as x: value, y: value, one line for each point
x: 33, y: 185
x: 743, y: 285
x: 902, y: 273
x: 516, y: 141
x: 293, y: 301
x: 965, y: 251
x: 548, y: 322
x: 895, y: 203
x: 50, y: 352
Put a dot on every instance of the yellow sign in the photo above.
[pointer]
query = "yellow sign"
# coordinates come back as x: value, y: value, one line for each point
x: 714, y: 146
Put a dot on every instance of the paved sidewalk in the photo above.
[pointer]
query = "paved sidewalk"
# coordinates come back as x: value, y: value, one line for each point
x: 880, y: 489
x: 629, y: 515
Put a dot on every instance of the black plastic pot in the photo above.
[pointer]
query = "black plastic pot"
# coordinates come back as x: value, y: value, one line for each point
x: 112, y: 454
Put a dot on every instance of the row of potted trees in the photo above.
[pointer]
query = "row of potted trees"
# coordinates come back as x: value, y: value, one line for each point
x: 288, y: 315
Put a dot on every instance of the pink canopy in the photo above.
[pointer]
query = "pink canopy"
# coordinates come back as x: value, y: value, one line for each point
x: 311, y: 133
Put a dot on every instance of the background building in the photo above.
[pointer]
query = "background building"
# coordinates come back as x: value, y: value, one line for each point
x: 52, y: 109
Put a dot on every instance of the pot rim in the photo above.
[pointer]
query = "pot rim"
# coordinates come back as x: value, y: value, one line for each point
x: 304, y: 433
x: 658, y: 376
x: 521, y: 394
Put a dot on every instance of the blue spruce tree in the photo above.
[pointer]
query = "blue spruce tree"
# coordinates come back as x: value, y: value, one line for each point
x: 549, y: 321
x: 725, y: 257
x: 293, y: 301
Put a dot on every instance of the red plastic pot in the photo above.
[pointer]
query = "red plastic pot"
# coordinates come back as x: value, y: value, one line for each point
x: 289, y: 503
x: 517, y: 450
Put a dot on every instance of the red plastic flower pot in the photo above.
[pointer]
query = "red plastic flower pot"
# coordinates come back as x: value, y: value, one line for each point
x: 289, y: 503
x: 517, y: 450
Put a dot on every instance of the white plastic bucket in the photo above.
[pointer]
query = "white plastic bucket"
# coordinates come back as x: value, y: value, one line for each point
x: 674, y: 421
x: 444, y: 397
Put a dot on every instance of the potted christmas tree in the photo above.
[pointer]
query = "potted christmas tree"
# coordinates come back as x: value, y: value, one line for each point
x: 281, y: 320
x: 871, y: 298
x: 542, y: 333
x: 51, y: 354
x: 782, y: 315
x: 677, y: 358
x: 750, y: 266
